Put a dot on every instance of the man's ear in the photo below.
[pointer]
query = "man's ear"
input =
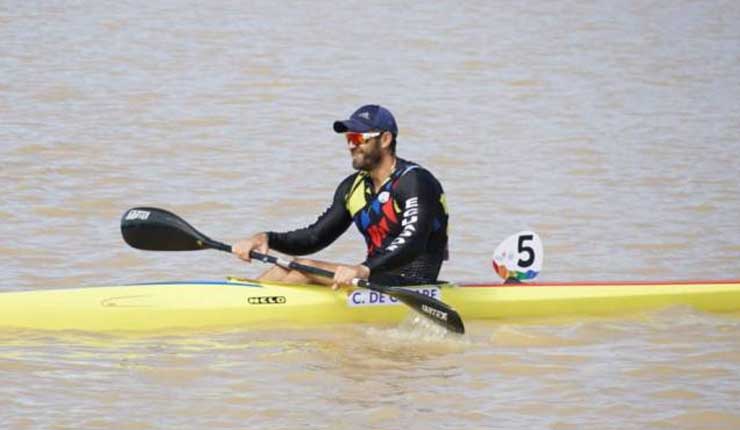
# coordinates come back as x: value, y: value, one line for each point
x: 385, y: 139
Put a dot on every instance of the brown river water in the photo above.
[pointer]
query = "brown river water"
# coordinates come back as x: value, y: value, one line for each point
x: 610, y: 128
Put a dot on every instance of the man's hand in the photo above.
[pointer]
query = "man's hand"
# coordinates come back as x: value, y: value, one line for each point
x: 258, y: 242
x: 345, y: 274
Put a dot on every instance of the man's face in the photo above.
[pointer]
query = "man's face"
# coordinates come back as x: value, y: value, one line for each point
x: 365, y: 155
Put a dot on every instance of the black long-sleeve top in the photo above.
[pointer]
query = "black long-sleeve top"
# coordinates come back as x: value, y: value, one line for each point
x: 404, y: 224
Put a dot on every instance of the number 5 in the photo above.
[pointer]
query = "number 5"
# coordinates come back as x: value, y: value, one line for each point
x: 525, y: 249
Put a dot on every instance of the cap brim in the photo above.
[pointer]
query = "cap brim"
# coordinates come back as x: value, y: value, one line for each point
x: 351, y: 125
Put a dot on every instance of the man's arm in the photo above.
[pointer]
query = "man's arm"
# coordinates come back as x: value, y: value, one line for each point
x: 325, y: 230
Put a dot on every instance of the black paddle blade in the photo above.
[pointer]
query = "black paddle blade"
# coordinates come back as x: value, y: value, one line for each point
x: 155, y: 229
x: 438, y: 312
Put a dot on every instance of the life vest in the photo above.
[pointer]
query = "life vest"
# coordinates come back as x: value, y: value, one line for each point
x: 376, y: 215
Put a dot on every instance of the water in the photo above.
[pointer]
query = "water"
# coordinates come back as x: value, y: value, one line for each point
x: 610, y: 129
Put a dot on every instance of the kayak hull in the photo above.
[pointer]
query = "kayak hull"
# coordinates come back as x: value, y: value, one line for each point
x: 247, y: 303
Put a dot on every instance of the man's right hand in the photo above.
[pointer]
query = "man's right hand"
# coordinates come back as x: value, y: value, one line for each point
x: 258, y: 242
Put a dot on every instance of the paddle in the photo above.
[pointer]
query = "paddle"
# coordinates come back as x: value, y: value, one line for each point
x: 156, y: 229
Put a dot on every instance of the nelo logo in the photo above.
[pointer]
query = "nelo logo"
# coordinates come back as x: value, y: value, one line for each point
x: 269, y: 300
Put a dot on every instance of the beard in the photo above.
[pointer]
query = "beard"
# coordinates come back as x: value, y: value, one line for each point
x: 368, y: 157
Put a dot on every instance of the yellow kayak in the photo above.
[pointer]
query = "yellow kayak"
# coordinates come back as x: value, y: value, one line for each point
x: 252, y: 304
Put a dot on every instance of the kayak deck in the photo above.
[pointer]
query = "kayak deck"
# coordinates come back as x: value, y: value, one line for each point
x: 570, y: 299
x: 247, y: 303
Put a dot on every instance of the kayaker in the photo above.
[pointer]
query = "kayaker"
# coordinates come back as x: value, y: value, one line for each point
x: 397, y: 205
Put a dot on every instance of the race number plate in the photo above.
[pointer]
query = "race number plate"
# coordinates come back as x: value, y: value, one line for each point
x: 520, y: 256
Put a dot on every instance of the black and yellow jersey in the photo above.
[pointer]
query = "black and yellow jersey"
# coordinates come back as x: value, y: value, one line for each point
x: 404, y: 225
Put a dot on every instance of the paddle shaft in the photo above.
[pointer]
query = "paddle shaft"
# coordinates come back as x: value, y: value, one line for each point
x: 312, y: 270
x: 270, y: 259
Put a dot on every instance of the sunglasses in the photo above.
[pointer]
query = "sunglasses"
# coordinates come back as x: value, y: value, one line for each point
x: 360, y: 138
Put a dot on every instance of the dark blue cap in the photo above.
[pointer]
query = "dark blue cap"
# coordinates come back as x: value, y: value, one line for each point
x: 368, y: 118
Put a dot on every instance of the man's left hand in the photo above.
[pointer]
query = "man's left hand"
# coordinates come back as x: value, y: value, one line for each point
x: 345, y: 274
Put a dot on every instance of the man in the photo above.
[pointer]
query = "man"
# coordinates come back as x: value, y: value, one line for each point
x: 398, y: 206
